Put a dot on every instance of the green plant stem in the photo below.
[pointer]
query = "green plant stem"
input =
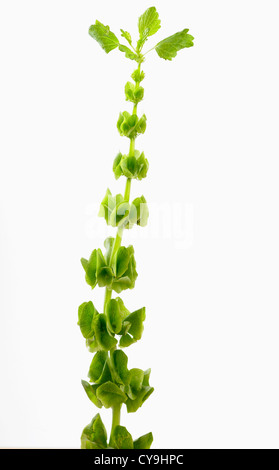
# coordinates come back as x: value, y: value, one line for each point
x: 149, y: 51
x: 127, y: 190
x: 108, y: 293
x: 116, y: 411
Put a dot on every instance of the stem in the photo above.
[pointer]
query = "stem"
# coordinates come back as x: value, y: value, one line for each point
x: 116, y: 410
x: 127, y: 189
x: 108, y: 293
x: 117, y: 243
x: 149, y: 51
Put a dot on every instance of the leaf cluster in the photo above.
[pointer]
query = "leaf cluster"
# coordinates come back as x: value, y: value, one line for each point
x: 99, y: 329
x: 134, y: 166
x: 94, y: 436
x: 112, y: 383
x: 118, y: 212
x: 149, y: 23
x: 119, y: 274
x: 130, y: 125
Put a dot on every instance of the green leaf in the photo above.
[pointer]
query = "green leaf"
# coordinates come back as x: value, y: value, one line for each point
x: 94, y: 433
x: 127, y: 36
x: 104, y: 339
x: 91, y: 393
x: 86, y: 315
x: 99, y: 371
x: 128, y: 53
x: 110, y: 395
x: 149, y: 23
x: 168, y: 48
x: 121, y: 438
x: 144, y: 442
x: 104, y: 36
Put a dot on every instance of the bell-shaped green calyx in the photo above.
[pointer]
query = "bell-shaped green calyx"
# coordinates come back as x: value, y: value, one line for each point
x: 117, y: 213
x: 94, y: 328
x: 116, y: 312
x: 99, y: 371
x: 132, y: 328
x: 129, y: 125
x: 119, y: 362
x: 110, y: 395
x: 90, y: 391
x: 133, y: 93
x: 94, y: 435
x: 133, y: 382
x: 121, y: 438
x: 138, y: 390
x: 144, y: 442
x: 118, y: 276
x: 135, y: 166
x: 139, y: 211
x: 86, y: 315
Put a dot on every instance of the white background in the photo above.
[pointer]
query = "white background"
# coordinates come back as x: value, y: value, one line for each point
x: 211, y: 333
